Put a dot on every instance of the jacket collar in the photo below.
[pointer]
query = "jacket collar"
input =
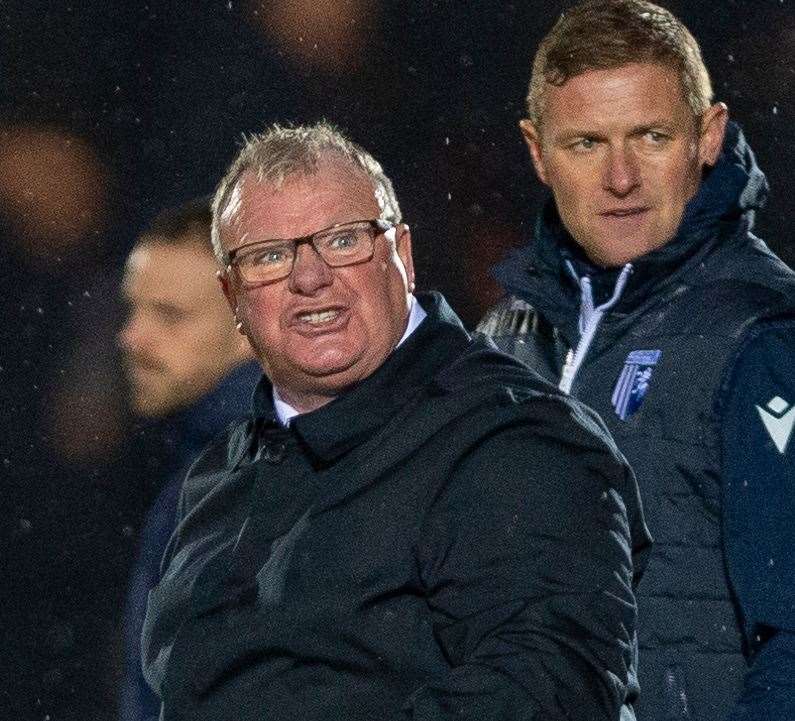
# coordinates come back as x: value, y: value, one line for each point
x: 722, y: 208
x: 356, y: 415
x: 229, y: 400
x: 191, y: 429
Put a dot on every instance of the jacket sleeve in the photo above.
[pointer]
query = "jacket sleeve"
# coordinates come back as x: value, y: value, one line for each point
x: 527, y: 557
x: 137, y: 702
x: 758, y: 416
x: 514, y: 327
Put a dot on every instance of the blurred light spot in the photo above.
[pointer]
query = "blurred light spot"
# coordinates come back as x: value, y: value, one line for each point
x: 326, y: 34
x: 86, y: 413
x: 53, y: 192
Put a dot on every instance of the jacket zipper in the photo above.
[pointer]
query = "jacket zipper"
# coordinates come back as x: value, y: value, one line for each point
x: 590, y: 318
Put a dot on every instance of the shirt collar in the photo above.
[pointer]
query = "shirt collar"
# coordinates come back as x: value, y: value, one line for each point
x: 285, y: 412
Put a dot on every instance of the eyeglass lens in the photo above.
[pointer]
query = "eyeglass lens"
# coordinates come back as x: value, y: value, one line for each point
x: 273, y: 260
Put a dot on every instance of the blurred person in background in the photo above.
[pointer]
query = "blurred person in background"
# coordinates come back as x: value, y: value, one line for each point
x: 412, y: 525
x: 188, y: 367
x: 644, y: 294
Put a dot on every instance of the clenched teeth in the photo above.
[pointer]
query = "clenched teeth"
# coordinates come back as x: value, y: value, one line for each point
x: 317, y: 318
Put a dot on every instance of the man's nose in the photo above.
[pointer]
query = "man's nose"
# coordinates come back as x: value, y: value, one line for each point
x: 621, y: 172
x: 310, y: 272
x: 131, y: 334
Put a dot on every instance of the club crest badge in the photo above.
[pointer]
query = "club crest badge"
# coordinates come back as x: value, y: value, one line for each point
x: 633, y: 383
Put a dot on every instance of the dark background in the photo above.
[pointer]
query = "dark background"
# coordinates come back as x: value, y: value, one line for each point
x: 110, y: 111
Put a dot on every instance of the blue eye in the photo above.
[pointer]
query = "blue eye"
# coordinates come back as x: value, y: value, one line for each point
x: 583, y: 144
x: 342, y: 241
x: 656, y: 137
x: 268, y: 256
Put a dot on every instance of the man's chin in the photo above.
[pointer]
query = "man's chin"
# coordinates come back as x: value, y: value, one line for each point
x: 151, y: 405
x: 328, y: 364
x: 614, y: 253
x: 316, y: 380
x: 333, y: 380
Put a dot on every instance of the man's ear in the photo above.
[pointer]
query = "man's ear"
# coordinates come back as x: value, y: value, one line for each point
x: 713, y: 129
x: 533, y: 139
x: 403, y: 248
x: 229, y: 293
x: 243, y: 349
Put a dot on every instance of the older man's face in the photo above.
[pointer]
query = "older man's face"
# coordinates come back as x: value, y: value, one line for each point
x: 322, y: 329
x: 623, y: 154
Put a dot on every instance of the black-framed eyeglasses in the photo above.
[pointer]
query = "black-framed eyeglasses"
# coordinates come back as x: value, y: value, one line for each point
x: 266, y: 261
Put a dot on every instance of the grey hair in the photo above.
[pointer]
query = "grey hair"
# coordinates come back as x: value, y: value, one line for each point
x: 285, y: 151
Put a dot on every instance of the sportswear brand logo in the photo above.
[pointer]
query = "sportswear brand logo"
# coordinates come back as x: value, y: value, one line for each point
x: 633, y: 383
x: 779, y: 418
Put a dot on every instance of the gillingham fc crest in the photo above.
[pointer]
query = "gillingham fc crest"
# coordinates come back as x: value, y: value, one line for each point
x: 633, y: 383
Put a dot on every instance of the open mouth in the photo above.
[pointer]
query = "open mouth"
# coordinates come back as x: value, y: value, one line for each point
x: 318, y: 318
x: 323, y: 319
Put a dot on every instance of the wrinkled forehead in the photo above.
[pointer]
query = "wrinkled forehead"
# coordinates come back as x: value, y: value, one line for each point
x: 627, y: 95
x: 299, y: 205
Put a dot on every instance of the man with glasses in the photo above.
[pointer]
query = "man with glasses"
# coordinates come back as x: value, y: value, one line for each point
x: 412, y: 525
